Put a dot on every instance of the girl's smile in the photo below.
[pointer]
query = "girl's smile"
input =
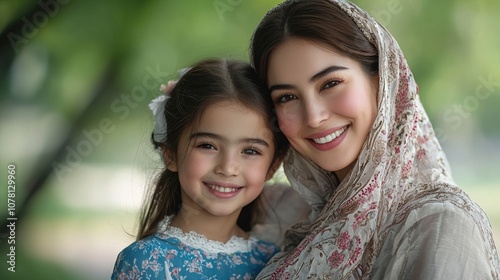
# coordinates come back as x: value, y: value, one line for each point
x: 223, y: 190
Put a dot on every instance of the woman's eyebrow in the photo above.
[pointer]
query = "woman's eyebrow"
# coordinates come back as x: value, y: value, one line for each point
x: 327, y: 71
x: 280, y: 86
x: 315, y: 77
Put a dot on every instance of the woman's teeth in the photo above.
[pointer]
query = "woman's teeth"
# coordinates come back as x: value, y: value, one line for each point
x: 330, y: 137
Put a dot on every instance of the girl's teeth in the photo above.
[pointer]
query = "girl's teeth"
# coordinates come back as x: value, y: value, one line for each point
x: 329, y: 137
x: 222, y: 189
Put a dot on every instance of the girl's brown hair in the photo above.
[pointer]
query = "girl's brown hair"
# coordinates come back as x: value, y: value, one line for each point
x: 206, y: 83
x: 320, y: 21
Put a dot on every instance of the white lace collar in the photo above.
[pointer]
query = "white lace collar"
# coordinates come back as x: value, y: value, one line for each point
x: 199, y: 241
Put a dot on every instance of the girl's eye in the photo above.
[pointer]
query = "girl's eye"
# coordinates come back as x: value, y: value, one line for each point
x: 285, y: 98
x: 206, y: 146
x: 331, y: 84
x: 252, y: 152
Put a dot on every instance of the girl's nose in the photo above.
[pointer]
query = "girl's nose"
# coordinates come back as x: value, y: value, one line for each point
x: 227, y: 165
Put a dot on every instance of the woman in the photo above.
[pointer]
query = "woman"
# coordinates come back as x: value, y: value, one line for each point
x: 364, y: 157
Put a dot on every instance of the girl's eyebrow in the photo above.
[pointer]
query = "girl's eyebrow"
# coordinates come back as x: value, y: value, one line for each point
x: 315, y: 77
x: 258, y: 141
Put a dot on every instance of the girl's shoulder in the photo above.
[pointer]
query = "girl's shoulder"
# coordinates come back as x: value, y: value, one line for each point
x: 141, y: 258
x: 193, y: 241
x: 191, y: 254
x: 149, y: 248
x: 263, y: 249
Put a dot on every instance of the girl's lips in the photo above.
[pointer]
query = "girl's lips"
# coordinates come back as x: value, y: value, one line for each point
x: 223, y: 190
x: 328, y: 139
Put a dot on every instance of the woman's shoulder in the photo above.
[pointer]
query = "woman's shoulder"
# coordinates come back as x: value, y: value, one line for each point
x: 454, y: 234
x: 439, y: 209
x: 446, y: 203
x: 446, y: 214
x: 439, y: 200
x: 445, y: 211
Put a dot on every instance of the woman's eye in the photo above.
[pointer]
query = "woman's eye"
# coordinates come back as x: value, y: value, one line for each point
x: 252, y: 152
x: 331, y: 84
x: 285, y: 98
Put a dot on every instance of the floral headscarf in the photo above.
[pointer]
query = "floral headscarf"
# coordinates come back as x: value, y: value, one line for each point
x: 400, y: 168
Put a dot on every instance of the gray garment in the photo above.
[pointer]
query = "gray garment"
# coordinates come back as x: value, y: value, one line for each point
x: 436, y: 241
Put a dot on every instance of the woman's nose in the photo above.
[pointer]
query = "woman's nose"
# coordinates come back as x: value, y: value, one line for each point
x: 315, y: 111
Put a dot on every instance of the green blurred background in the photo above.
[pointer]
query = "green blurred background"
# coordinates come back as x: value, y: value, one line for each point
x: 76, y: 78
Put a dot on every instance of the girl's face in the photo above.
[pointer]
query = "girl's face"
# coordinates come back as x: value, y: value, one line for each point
x: 325, y: 102
x: 224, y: 162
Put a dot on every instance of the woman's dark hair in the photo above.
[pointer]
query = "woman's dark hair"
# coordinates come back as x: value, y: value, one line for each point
x: 205, y: 83
x: 320, y: 21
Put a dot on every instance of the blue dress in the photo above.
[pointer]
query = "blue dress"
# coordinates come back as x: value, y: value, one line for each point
x: 172, y: 254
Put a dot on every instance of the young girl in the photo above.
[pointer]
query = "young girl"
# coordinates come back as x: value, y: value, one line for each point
x: 365, y: 156
x: 219, y: 147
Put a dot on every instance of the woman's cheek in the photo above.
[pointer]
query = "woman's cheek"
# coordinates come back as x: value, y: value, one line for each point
x: 288, y: 122
x: 346, y: 104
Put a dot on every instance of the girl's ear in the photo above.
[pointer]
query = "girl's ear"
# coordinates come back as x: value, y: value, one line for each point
x: 169, y: 160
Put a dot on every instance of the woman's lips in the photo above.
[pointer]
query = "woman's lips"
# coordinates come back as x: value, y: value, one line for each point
x: 328, y: 139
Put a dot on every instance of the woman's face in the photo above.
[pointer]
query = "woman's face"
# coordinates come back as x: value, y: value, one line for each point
x: 325, y: 102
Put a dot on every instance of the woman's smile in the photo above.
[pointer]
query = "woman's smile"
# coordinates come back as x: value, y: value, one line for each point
x: 329, y: 135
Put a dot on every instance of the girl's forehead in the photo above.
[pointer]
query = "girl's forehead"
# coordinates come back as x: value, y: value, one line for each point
x: 226, y: 117
x: 231, y: 106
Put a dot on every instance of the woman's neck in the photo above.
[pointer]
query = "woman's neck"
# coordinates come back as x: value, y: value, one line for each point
x: 212, y: 227
x: 341, y: 174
